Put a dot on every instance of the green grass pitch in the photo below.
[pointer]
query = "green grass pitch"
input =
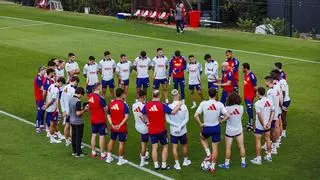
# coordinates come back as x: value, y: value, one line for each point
x: 25, y: 45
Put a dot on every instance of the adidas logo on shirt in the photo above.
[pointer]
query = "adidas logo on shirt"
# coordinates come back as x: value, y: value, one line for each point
x: 153, y: 108
x: 212, y: 107
x: 115, y: 107
x: 267, y: 104
x: 137, y: 109
x: 235, y: 112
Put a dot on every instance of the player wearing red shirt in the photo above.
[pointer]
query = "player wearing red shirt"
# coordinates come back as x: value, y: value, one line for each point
x: 226, y: 82
x: 234, y: 66
x: 249, y: 83
x: 38, y: 95
x: 155, y: 112
x: 98, y: 108
x: 178, y: 65
x: 118, y: 113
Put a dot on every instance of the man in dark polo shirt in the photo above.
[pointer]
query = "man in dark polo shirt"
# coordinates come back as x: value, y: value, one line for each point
x: 76, y: 111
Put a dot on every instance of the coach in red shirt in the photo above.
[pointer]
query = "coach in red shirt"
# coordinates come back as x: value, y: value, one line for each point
x: 155, y: 112
x: 98, y: 108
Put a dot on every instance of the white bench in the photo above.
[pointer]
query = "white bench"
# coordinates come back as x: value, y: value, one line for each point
x: 209, y: 22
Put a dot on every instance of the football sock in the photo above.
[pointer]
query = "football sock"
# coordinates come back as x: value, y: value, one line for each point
x: 156, y: 165
x: 207, y: 151
x: 164, y: 164
x: 243, y: 160
x: 177, y: 162
x: 227, y: 161
x: 167, y: 101
x: 259, y: 158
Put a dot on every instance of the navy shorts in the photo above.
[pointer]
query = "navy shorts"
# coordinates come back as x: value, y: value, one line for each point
x: 68, y: 119
x: 161, y: 137
x: 259, y: 131
x: 142, y: 82
x: 109, y: 84
x: 126, y: 82
x: 182, y: 139
x: 99, y: 129
x: 286, y: 103
x: 144, y: 138
x: 89, y: 89
x: 211, y: 85
x: 197, y: 87
x: 249, y: 102
x: 39, y: 105
x: 157, y: 82
x: 273, y: 124
x: 224, y: 96
x: 213, y: 132
x: 52, y: 116
x: 122, y: 136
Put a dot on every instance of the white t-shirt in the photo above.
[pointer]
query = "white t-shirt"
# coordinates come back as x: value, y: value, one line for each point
x: 59, y: 73
x: 140, y: 126
x: 53, y: 94
x: 194, y: 71
x: 123, y: 69
x: 234, y: 124
x: 277, y: 87
x: 285, y: 87
x: 274, y: 96
x: 211, y: 70
x: 107, y: 69
x: 92, y: 73
x: 265, y: 107
x: 178, y: 122
x: 142, y: 66
x: 67, y: 93
x: 71, y: 66
x: 160, y: 65
x: 212, y: 110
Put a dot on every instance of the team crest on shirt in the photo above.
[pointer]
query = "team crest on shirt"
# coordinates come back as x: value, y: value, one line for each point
x: 153, y: 108
x: 212, y: 107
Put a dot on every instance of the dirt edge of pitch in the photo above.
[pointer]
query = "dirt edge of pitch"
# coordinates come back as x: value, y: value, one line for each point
x: 88, y: 146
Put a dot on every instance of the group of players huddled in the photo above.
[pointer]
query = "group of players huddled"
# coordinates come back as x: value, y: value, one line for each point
x: 56, y: 96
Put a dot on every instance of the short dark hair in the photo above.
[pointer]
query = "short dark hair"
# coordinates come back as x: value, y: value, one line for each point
x: 60, y: 61
x: 246, y: 66
x: 141, y: 93
x: 51, y: 62
x: 106, y: 53
x: 71, y: 54
x: 177, y: 53
x: 278, y: 65
x: 119, y: 92
x: 269, y: 78
x: 79, y: 90
x: 261, y: 91
x: 50, y: 70
x: 207, y: 56
x: 143, y: 54
x: 159, y: 49
x: 228, y: 51
x: 122, y: 55
x: 61, y: 80
x: 276, y: 74
x: 74, y: 78
x: 96, y: 85
x: 212, y: 92
x: 92, y: 58
x: 41, y: 68
x: 191, y: 56
x: 233, y: 99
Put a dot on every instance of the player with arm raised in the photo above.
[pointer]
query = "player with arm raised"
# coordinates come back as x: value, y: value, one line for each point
x: 118, y: 114
x: 178, y: 130
x: 155, y: 112
x: 123, y: 70
x: 72, y: 67
x: 195, y: 70
x: 177, y: 66
x: 264, y: 116
x: 160, y: 65
x: 142, y: 64
x: 249, y: 83
x: 90, y: 71
x: 107, y: 67
x: 210, y: 126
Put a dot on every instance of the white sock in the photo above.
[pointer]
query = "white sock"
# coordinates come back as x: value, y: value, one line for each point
x: 208, y: 153
x: 156, y: 164
x: 167, y: 101
x: 185, y: 158
x: 268, y: 154
x: 194, y: 103
x: 213, y: 165
x: 177, y: 162
x: 164, y: 164
x: 284, y: 131
x: 227, y: 161
x: 259, y: 158
x: 243, y: 160
x: 109, y: 155
x: 120, y: 158
x: 93, y: 152
x: 103, y: 154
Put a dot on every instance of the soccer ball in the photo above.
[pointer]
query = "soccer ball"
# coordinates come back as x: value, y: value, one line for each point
x: 205, y: 165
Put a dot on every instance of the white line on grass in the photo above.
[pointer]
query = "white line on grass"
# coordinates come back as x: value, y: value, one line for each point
x: 87, y: 145
x: 20, y: 26
x: 168, y: 40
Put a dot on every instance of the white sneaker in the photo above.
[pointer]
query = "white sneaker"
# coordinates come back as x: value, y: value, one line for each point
x: 54, y: 141
x: 283, y: 134
x: 274, y: 151
x: 264, y: 147
x: 268, y: 158
x: 186, y: 162
x: 177, y: 167
x: 60, y: 136
x: 48, y: 134
x: 277, y: 145
x: 147, y: 156
x: 68, y: 142
x: 122, y: 162
x: 256, y: 161
x: 193, y: 106
x: 109, y: 159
